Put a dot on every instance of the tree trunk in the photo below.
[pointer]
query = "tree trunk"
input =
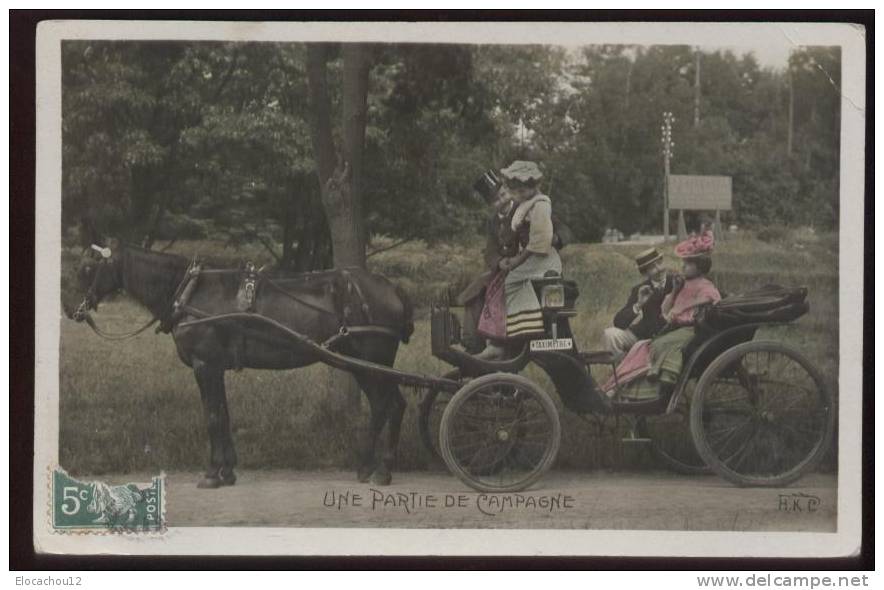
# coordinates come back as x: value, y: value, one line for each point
x: 350, y: 249
x: 320, y: 109
x: 340, y: 179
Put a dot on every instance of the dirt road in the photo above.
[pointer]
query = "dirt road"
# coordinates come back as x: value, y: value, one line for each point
x: 591, y: 500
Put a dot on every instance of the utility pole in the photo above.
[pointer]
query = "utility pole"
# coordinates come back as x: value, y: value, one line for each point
x: 668, y: 144
x: 791, y: 85
x: 696, y: 87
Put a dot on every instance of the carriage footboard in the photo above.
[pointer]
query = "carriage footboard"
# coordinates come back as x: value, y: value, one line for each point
x: 573, y: 381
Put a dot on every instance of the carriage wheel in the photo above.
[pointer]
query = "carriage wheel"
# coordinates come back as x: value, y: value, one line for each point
x: 500, y: 433
x: 430, y: 410
x: 671, y: 441
x: 761, y: 415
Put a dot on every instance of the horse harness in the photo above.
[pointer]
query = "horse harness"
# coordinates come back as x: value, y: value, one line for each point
x: 252, y: 281
x: 82, y: 311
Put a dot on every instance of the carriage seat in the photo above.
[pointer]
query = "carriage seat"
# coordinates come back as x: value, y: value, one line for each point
x: 739, y: 315
x: 769, y: 304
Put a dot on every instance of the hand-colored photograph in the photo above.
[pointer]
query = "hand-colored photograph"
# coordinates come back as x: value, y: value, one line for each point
x: 456, y: 285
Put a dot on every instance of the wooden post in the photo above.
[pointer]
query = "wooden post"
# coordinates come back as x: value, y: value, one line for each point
x: 717, y: 231
x: 682, y: 228
x: 668, y: 144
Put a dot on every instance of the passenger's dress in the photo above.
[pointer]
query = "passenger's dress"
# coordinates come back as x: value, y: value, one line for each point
x: 660, y: 360
x: 517, y: 302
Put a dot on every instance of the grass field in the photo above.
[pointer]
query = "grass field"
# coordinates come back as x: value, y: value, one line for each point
x: 133, y: 406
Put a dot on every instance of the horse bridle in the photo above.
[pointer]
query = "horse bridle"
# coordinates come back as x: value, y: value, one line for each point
x: 90, y: 301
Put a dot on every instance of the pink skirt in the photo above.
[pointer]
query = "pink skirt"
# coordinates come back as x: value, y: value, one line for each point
x: 492, y: 322
x: 634, y: 365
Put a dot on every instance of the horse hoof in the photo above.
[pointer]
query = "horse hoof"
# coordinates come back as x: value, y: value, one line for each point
x: 381, y: 479
x: 209, y: 483
x: 228, y: 479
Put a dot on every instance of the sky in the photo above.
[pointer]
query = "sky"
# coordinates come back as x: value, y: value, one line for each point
x: 774, y: 55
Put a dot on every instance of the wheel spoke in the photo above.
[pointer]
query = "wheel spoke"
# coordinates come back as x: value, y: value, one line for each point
x: 499, y: 433
x: 741, y: 452
x: 763, y: 414
x: 729, y: 429
x: 727, y: 440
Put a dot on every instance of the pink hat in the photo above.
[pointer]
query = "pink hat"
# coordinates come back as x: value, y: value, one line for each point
x: 696, y: 245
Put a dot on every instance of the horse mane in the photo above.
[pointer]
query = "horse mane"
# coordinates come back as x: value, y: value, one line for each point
x: 152, y: 277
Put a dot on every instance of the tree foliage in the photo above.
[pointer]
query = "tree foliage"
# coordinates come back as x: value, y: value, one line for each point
x: 165, y: 140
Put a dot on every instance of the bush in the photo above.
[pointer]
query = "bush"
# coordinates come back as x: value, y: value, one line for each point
x: 772, y: 233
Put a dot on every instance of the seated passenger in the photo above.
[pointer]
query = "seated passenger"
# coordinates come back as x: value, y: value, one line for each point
x: 641, y: 317
x: 651, y: 364
x: 512, y: 309
x: 500, y: 243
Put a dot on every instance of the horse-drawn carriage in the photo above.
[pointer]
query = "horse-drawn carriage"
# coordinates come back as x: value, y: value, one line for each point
x: 756, y: 412
x: 759, y: 413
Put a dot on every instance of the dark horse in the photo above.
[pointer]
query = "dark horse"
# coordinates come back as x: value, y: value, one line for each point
x: 317, y: 305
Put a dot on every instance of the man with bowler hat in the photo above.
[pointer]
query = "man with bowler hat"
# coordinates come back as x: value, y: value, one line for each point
x: 641, y: 317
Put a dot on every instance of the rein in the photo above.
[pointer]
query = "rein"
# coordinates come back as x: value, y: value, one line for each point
x: 182, y: 294
x: 117, y: 336
x: 82, y: 312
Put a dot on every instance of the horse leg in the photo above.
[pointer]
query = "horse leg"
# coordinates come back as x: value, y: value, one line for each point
x: 379, y: 412
x: 226, y: 474
x: 210, y: 379
x: 383, y: 475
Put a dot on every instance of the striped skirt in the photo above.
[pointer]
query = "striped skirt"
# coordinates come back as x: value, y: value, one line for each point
x: 523, y: 315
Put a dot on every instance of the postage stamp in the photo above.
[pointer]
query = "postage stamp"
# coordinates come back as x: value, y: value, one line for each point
x: 96, y: 506
x: 449, y: 288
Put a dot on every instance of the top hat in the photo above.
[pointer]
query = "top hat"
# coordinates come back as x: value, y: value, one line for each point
x: 488, y: 185
x: 645, y: 259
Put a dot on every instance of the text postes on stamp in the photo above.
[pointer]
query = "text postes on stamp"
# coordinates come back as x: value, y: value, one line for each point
x: 96, y: 506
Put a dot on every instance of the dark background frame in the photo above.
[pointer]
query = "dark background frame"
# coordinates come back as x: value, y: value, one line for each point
x: 22, y: 150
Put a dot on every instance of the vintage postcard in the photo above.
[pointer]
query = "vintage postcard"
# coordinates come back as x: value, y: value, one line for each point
x: 462, y: 288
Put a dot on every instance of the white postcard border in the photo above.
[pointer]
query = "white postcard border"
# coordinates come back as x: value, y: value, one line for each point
x: 469, y: 542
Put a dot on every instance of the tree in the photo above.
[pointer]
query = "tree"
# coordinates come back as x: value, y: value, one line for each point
x: 342, y: 183
x: 238, y: 141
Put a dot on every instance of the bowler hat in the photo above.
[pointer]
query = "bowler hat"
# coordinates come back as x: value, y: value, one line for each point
x: 645, y: 259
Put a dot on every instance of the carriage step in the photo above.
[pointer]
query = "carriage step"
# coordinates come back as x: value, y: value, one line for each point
x: 630, y: 439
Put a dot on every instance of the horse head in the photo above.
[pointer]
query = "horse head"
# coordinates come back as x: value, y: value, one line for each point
x: 99, y: 274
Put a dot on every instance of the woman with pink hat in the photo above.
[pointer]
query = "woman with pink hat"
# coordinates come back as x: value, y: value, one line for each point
x: 657, y: 362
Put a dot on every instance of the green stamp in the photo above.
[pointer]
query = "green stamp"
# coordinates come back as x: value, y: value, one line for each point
x: 96, y: 506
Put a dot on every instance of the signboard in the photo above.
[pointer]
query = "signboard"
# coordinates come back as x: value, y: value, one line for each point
x: 699, y: 192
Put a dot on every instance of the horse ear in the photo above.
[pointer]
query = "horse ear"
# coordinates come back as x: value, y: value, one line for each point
x: 104, y: 252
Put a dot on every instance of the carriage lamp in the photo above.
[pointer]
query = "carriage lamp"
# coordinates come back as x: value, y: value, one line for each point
x: 552, y: 296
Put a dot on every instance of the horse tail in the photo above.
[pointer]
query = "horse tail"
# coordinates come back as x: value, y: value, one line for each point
x: 407, y: 313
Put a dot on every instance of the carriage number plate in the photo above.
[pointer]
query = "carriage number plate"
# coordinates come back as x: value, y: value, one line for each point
x: 552, y: 344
